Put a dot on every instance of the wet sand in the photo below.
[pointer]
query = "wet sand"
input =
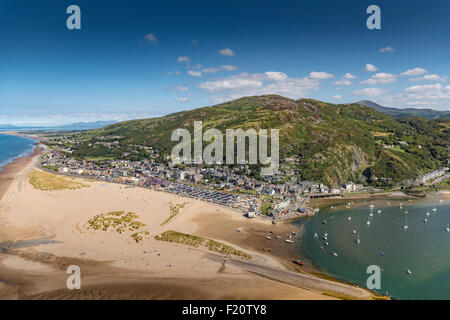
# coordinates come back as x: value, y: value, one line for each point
x: 11, y: 170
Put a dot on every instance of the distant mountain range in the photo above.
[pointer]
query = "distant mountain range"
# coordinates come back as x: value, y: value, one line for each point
x: 408, y: 112
x: 68, y: 127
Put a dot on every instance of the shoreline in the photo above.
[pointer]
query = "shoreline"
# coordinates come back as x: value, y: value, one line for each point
x: 10, y: 171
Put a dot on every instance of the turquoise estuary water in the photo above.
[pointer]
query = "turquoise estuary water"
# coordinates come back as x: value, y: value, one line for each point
x: 423, y: 248
x: 12, y: 147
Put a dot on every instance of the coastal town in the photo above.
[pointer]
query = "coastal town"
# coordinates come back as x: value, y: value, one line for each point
x: 278, y: 197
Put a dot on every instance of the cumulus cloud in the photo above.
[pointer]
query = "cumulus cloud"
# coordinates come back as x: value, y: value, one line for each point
x: 271, y: 82
x: 321, y: 75
x: 380, y: 78
x: 226, y: 67
x: 183, y: 100
x: 151, y: 38
x: 276, y: 76
x: 370, y: 68
x: 430, y: 77
x: 369, y: 92
x: 194, y: 73
x: 227, y: 52
x: 343, y: 82
x: 387, y: 49
x: 348, y: 76
x: 413, y: 72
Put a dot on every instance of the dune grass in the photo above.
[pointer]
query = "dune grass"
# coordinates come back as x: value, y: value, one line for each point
x: 196, y: 241
x: 118, y: 221
x: 50, y: 182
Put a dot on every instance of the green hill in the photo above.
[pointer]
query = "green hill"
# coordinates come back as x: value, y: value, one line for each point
x: 331, y: 143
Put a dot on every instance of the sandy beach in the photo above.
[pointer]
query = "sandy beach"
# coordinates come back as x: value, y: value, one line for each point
x: 51, y: 228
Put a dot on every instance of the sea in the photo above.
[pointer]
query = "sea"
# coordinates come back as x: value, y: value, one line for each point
x: 414, y: 262
x: 13, y: 147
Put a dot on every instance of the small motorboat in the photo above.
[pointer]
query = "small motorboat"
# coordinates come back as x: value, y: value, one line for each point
x: 382, y: 253
x: 268, y: 238
x: 278, y: 237
x: 425, y: 220
x: 368, y: 223
x: 408, y: 271
x: 371, y: 206
x: 289, y: 241
x: 428, y: 213
x: 334, y: 254
x: 325, y: 238
x: 371, y: 215
x: 349, y: 218
x: 316, y: 235
x: 379, y: 211
x: 354, y: 231
x: 326, y: 243
x: 294, y: 233
x: 324, y: 221
x: 448, y: 228
x: 299, y: 262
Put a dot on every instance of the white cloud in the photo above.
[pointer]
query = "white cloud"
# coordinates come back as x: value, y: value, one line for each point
x: 380, y: 78
x: 195, y: 73
x: 321, y: 75
x: 271, y: 82
x: 430, y: 77
x: 348, y: 76
x: 337, y: 97
x: 424, y: 88
x: 183, y: 100
x: 151, y: 38
x: 183, y: 59
x: 226, y: 67
x: 369, y: 92
x: 227, y: 52
x: 343, y: 82
x: 413, y: 72
x: 276, y: 76
x: 387, y: 49
x: 230, y: 84
x: 370, y: 68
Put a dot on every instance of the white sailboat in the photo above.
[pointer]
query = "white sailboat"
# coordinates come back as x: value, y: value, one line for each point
x: 406, y: 224
x: 358, y: 241
x: 434, y: 209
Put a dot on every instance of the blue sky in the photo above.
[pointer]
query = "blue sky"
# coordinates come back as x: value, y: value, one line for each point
x: 134, y: 59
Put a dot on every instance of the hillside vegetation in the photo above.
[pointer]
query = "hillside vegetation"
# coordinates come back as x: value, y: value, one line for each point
x: 330, y: 143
